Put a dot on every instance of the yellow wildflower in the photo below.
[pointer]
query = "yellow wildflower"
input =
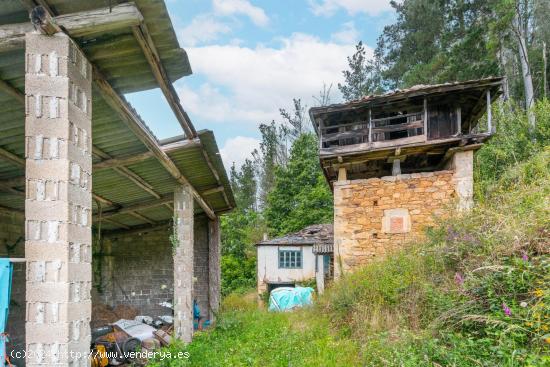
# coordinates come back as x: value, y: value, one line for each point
x: 547, y: 340
x: 529, y: 324
x: 544, y: 327
x: 539, y: 292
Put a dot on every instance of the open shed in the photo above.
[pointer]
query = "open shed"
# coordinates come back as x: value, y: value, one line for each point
x: 76, y: 159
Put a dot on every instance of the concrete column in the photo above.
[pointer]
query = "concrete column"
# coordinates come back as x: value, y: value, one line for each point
x: 214, y: 267
x: 183, y: 264
x: 462, y: 164
x: 320, y: 274
x: 58, y: 201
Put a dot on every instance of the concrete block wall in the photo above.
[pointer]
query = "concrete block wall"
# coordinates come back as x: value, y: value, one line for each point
x: 373, y: 217
x: 141, y: 264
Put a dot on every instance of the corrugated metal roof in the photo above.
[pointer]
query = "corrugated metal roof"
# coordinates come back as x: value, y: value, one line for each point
x: 121, y: 60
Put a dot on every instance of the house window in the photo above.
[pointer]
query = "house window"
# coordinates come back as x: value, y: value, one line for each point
x: 290, y: 259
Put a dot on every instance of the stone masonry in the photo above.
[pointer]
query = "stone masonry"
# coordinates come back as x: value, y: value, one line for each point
x: 58, y: 201
x: 375, y: 216
x: 183, y: 264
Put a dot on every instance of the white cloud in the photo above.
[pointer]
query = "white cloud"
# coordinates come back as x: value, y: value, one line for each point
x: 248, y: 85
x: 348, y: 34
x: 237, y: 149
x: 329, y: 7
x: 203, y: 28
x: 243, y: 7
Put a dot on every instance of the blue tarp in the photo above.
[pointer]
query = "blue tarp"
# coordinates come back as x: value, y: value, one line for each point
x: 5, y: 288
x: 287, y: 298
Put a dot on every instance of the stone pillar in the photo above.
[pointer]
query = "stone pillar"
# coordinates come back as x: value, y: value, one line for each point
x: 214, y: 267
x: 341, y: 240
x: 58, y: 201
x: 183, y: 264
x: 463, y: 178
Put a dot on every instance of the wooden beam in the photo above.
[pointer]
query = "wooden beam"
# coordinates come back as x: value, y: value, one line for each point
x: 137, y: 158
x: 96, y: 21
x: 18, y: 161
x: 213, y: 191
x: 149, y: 50
x: 116, y: 223
x: 104, y: 200
x: 489, y: 113
x: 136, y: 125
x: 141, y: 217
x: 11, y: 91
x: 43, y: 21
x: 137, y: 207
x: 125, y: 172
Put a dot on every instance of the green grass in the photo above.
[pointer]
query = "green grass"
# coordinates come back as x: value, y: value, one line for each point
x: 249, y: 336
x: 474, y: 293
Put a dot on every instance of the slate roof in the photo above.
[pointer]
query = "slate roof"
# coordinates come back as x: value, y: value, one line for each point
x: 310, y: 235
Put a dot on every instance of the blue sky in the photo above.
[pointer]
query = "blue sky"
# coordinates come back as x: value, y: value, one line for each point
x: 250, y: 58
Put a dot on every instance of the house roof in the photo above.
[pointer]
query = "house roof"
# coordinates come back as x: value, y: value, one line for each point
x: 414, y: 91
x: 317, y: 234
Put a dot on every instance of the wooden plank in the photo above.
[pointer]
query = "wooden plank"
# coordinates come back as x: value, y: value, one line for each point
x: 149, y: 50
x: 104, y: 20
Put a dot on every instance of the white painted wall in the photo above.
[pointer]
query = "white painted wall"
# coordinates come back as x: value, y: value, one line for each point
x: 268, y: 265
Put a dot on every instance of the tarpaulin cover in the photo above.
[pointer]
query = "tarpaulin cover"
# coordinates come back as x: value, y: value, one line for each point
x: 287, y: 298
x: 5, y: 288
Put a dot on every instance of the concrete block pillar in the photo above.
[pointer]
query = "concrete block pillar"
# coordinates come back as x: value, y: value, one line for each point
x: 58, y: 201
x: 183, y: 263
x: 462, y: 164
x: 214, y: 267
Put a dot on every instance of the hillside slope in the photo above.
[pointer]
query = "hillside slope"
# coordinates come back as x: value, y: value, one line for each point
x: 475, y: 293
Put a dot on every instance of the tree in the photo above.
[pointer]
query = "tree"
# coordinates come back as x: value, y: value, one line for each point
x: 363, y: 76
x: 300, y: 195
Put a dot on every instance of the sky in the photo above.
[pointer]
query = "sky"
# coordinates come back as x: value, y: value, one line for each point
x: 251, y: 58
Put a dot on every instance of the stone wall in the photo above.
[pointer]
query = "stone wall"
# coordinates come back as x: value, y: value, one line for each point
x: 373, y: 217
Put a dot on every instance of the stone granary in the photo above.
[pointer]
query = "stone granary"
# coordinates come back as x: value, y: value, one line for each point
x: 397, y: 161
x: 84, y: 184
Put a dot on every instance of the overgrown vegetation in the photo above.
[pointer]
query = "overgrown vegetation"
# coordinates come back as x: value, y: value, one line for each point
x: 474, y: 293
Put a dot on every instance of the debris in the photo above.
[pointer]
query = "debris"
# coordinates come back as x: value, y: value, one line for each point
x: 136, y: 329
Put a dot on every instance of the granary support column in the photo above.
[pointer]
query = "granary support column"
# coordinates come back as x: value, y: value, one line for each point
x: 214, y: 270
x: 183, y: 263
x: 58, y: 201
x: 462, y: 163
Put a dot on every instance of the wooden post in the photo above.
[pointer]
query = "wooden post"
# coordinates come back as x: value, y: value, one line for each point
x: 426, y: 118
x: 489, y: 113
x: 342, y: 174
x: 458, y: 121
x: 370, y: 125
x: 544, y: 66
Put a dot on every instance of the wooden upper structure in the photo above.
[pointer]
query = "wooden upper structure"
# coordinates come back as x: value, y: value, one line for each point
x: 421, y: 126
x: 132, y: 47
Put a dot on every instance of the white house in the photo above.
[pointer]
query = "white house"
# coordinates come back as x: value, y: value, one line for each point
x: 296, y: 258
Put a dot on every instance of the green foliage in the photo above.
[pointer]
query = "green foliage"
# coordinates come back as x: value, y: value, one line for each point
x: 248, y: 336
x: 512, y: 143
x: 300, y: 195
x: 238, y: 273
x: 475, y: 293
